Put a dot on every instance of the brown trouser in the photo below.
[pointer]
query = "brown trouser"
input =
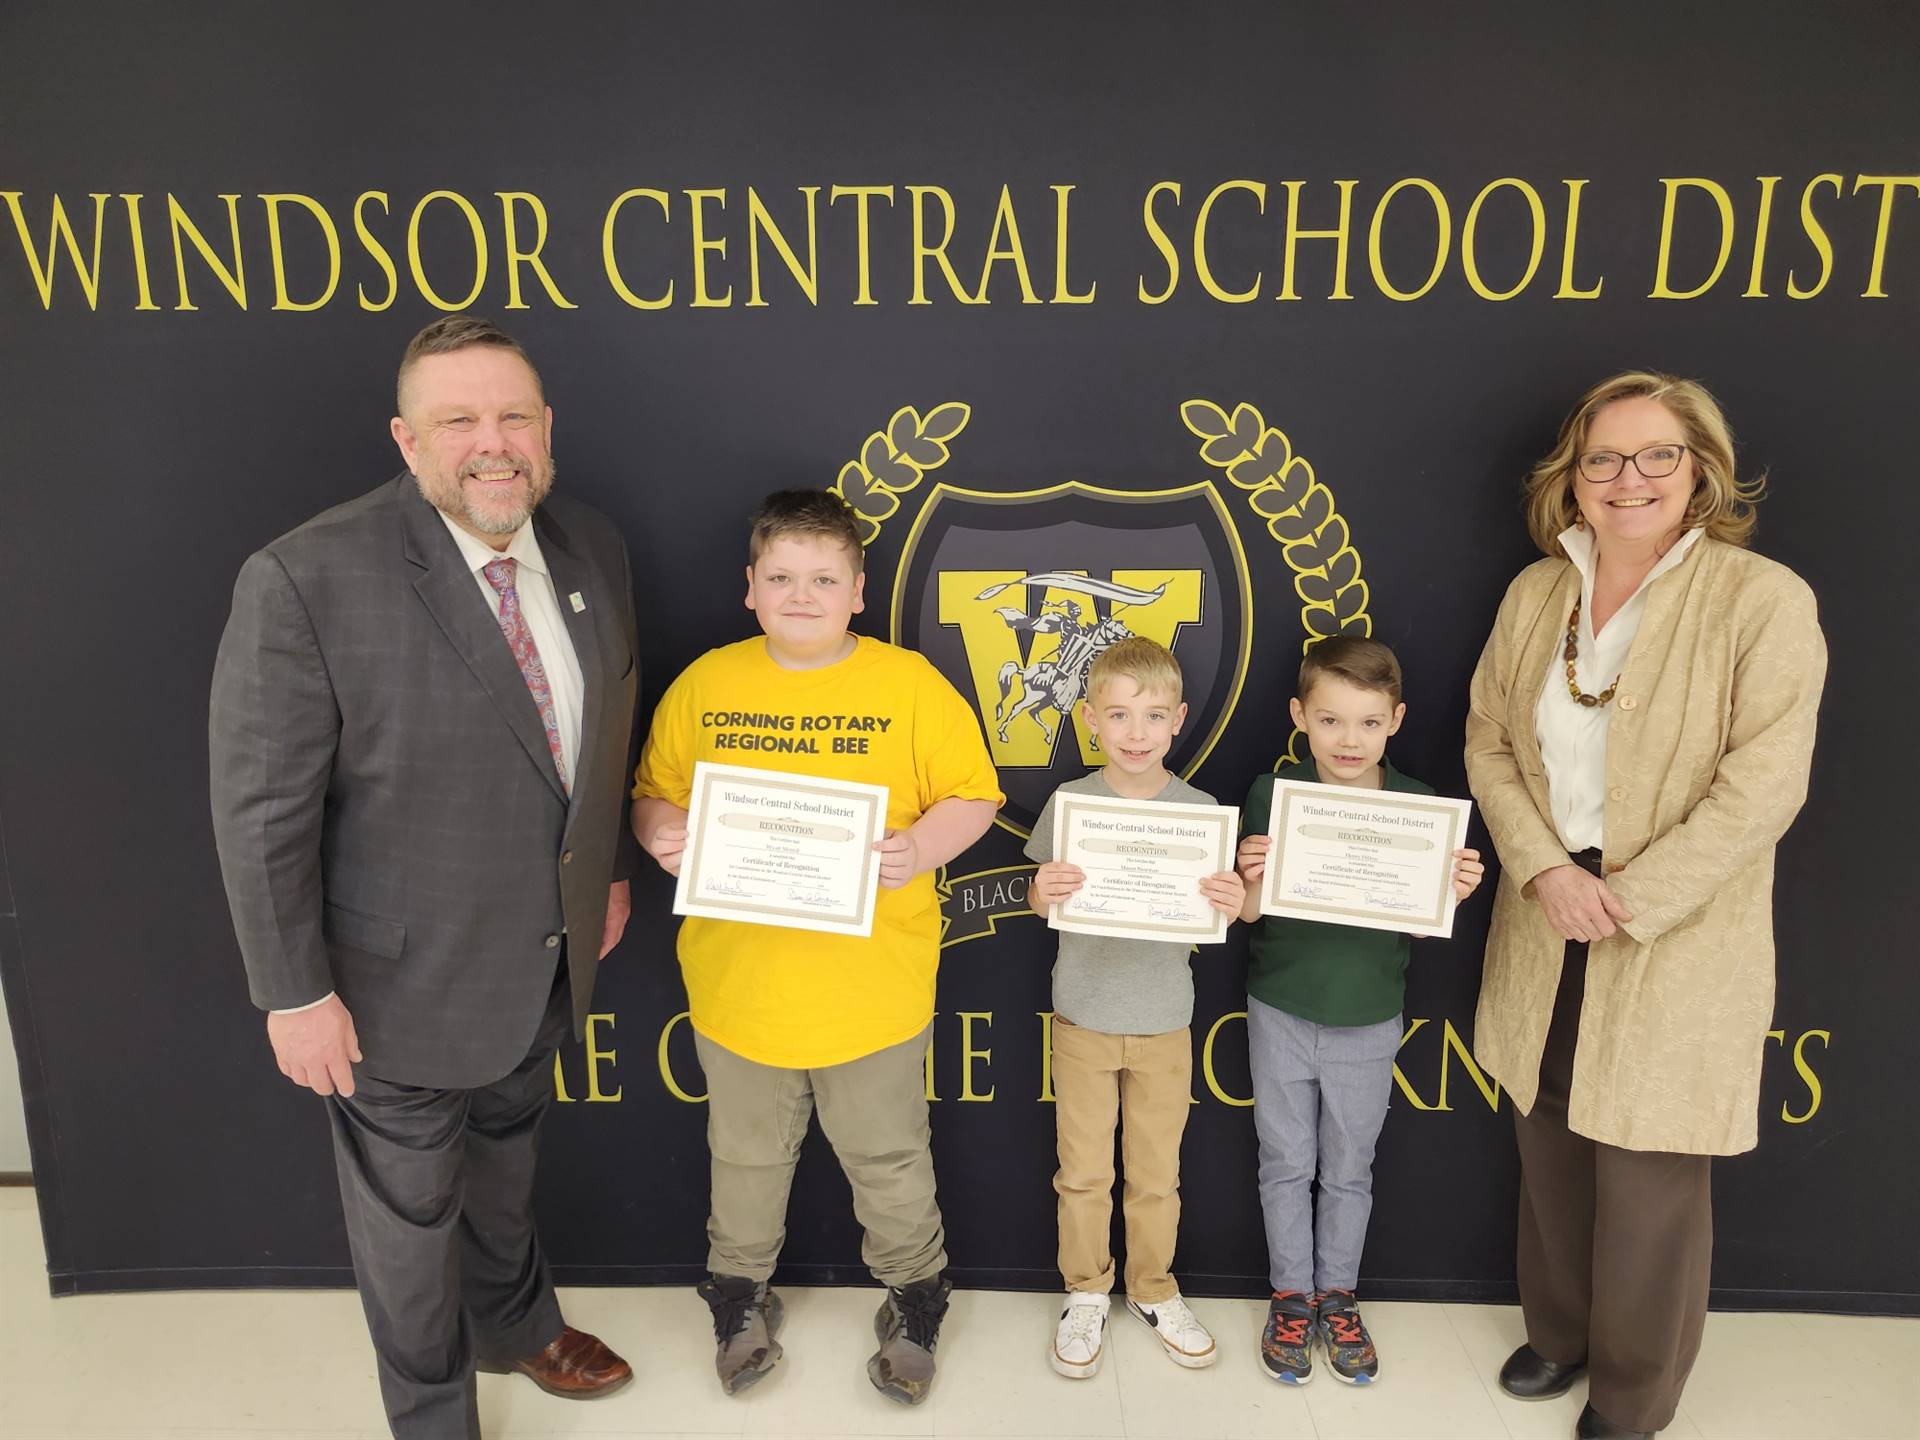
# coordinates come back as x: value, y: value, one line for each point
x: 1615, y: 1245
x: 1142, y: 1082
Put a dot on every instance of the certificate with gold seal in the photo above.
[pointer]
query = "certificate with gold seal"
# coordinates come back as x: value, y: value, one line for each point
x: 768, y: 848
x: 1379, y: 859
x: 1144, y: 862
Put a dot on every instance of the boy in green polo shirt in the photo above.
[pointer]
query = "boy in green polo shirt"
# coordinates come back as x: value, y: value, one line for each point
x: 1323, y: 1025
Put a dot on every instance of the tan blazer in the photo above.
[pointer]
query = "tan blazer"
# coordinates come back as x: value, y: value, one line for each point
x: 1707, y: 755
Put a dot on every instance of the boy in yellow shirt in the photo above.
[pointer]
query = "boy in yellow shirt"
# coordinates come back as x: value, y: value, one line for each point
x: 789, y: 1021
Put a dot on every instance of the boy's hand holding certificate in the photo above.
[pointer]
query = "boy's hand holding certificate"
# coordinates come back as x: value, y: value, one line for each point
x: 1381, y: 860
x: 770, y: 848
x: 1144, y: 862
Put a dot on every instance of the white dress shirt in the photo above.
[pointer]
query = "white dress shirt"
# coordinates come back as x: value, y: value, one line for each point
x: 541, y: 609
x: 1573, y: 737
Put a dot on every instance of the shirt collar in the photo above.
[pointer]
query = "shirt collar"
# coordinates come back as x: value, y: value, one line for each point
x: 1390, y: 778
x: 1578, y: 543
x: 478, y: 554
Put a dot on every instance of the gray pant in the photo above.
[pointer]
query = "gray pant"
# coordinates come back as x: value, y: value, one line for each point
x: 874, y: 1113
x: 1319, y: 1098
x: 437, y: 1186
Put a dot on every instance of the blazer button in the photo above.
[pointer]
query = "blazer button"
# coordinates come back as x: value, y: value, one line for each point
x: 566, y: 857
x: 1618, y: 792
x: 553, y: 942
x: 1628, y: 702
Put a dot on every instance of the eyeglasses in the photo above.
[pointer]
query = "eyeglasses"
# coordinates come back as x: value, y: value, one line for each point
x: 1656, y: 462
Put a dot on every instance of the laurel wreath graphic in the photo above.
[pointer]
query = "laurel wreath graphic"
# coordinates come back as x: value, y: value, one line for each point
x: 894, y: 460
x: 1300, y: 514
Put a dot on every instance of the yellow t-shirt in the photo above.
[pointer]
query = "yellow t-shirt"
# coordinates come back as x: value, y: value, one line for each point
x: 802, y: 999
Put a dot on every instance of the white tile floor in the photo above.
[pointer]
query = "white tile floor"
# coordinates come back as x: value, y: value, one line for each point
x: 250, y: 1365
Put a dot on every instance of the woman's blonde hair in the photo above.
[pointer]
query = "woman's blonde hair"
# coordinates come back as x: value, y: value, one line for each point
x: 1721, y: 502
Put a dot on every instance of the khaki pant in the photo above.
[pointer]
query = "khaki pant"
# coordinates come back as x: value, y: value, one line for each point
x: 1141, y: 1081
x: 874, y: 1113
x: 1616, y: 1246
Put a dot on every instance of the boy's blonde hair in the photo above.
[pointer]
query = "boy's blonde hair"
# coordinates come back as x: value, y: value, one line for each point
x: 1147, y: 663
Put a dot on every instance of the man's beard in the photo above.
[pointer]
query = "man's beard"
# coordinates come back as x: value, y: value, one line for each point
x: 448, y: 492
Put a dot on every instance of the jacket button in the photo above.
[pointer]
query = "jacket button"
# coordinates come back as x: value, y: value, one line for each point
x: 566, y: 857
x: 553, y: 942
x: 1618, y: 792
x: 1628, y: 702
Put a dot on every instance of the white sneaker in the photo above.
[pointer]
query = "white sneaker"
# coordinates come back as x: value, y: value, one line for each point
x: 1186, y: 1341
x: 1078, y: 1343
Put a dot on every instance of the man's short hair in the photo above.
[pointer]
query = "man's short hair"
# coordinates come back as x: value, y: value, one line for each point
x: 811, y: 514
x: 1355, y: 659
x: 456, y: 332
x: 1147, y: 663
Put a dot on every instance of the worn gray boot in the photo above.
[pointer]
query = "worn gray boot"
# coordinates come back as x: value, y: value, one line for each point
x: 908, y: 1327
x: 746, y: 1317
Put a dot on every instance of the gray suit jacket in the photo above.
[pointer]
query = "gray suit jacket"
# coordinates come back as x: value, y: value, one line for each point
x: 388, y: 816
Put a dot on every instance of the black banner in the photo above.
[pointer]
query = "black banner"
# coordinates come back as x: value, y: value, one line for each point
x: 1231, y: 325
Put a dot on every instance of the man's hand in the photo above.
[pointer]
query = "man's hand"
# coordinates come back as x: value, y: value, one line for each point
x: 1578, y: 903
x: 619, y: 907
x: 899, y: 858
x: 316, y: 1047
x: 1226, y: 891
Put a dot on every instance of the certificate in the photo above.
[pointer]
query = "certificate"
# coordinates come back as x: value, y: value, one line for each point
x: 1144, y: 862
x: 1382, y: 860
x: 769, y: 848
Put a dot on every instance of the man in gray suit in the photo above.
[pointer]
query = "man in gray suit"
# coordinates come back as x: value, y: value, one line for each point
x: 422, y: 736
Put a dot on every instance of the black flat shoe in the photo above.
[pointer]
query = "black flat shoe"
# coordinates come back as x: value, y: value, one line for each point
x: 1592, y: 1425
x: 1526, y: 1376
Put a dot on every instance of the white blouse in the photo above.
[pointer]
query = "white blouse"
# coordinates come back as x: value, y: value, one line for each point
x: 1573, y: 737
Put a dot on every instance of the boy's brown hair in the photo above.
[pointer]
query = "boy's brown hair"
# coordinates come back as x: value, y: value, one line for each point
x: 1355, y: 659
x: 1147, y: 663
x: 814, y: 514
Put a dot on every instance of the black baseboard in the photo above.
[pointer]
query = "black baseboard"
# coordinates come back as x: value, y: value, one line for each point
x: 1496, y: 1292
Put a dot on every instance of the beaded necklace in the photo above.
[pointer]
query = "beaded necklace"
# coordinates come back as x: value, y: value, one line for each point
x: 1573, y: 649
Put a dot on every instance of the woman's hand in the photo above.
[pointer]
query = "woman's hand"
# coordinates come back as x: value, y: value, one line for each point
x: 1578, y: 904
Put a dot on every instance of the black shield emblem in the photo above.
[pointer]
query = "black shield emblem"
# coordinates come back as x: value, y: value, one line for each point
x: 1012, y: 595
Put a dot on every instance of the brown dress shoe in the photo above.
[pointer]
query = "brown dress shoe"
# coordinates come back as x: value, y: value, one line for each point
x: 576, y: 1366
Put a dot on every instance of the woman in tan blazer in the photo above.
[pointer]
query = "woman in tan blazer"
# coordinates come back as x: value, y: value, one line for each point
x: 1640, y: 730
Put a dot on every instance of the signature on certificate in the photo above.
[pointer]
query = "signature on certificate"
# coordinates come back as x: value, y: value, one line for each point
x: 1391, y: 902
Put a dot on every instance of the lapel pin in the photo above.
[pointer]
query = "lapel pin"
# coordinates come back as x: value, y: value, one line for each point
x: 579, y: 605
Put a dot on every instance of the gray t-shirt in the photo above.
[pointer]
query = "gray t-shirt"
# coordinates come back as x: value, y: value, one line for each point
x: 1119, y: 987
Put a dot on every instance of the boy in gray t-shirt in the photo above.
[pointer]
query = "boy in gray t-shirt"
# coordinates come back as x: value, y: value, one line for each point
x: 1121, y: 1047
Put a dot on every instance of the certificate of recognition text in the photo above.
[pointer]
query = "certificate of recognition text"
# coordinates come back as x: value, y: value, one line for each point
x: 1379, y: 859
x: 1144, y: 861
x: 769, y: 848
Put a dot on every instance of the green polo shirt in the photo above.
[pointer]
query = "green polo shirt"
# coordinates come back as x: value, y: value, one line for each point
x: 1329, y: 974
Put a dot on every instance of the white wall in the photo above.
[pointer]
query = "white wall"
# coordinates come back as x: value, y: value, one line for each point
x: 13, y: 1115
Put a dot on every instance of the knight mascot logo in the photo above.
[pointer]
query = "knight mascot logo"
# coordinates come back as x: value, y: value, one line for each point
x: 1014, y: 594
